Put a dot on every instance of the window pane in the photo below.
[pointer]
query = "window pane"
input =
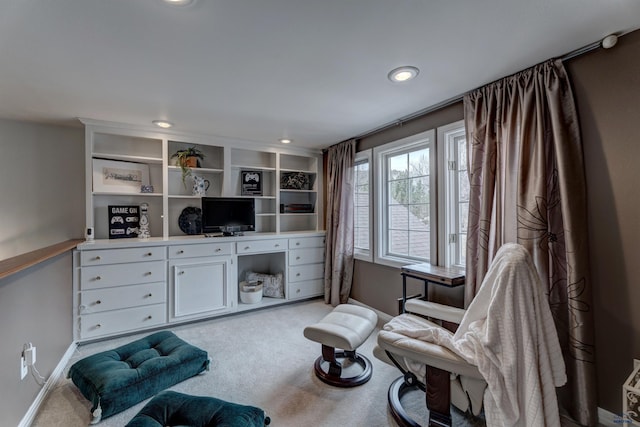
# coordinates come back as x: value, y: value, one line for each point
x: 419, y: 217
x: 419, y: 162
x: 419, y: 244
x: 463, y: 217
x: 462, y: 154
x: 397, y: 167
x: 361, y: 238
x: 399, y: 242
x: 361, y: 206
x: 419, y: 190
x: 362, y: 199
x: 463, y: 186
x: 398, y: 192
x: 463, y: 249
x: 398, y: 217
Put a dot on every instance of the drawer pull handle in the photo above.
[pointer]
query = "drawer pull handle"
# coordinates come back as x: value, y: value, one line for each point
x: 246, y: 248
x: 98, y: 302
x: 97, y: 258
x: 149, y: 254
x: 181, y: 272
x: 277, y: 245
x: 98, y: 278
x: 149, y: 317
x: 297, y: 257
x: 148, y: 273
x: 180, y: 252
x: 98, y: 326
x: 298, y: 275
x: 297, y: 291
x: 149, y: 295
x: 297, y: 243
x: 218, y: 249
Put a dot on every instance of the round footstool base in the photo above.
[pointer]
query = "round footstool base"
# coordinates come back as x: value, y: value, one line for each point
x: 335, y: 379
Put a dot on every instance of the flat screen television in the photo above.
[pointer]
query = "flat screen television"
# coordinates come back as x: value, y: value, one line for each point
x: 228, y: 215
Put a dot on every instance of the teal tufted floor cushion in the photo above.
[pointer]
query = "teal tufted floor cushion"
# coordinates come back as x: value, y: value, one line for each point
x: 170, y: 408
x: 117, y: 379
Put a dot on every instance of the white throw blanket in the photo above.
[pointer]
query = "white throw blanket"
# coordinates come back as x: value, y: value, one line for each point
x: 509, y: 334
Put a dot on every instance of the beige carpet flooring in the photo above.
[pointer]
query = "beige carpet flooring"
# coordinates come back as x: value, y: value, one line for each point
x: 260, y: 358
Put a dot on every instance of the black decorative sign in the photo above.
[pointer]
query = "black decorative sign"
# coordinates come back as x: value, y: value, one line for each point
x: 124, y: 221
x: 251, y: 183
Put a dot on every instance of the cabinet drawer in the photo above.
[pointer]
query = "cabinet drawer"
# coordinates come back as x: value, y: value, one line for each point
x: 271, y: 245
x: 97, y: 300
x: 306, y: 289
x: 115, y: 256
x: 306, y: 242
x: 122, y: 274
x: 306, y: 256
x: 306, y: 272
x: 199, y: 250
x: 117, y: 321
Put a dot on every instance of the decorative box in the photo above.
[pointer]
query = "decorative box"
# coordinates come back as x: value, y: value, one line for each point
x: 631, y: 397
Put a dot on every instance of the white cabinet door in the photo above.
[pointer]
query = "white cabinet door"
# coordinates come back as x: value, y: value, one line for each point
x: 200, y: 287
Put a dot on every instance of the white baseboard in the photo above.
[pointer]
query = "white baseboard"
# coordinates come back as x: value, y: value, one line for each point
x: 606, y: 418
x: 48, y: 386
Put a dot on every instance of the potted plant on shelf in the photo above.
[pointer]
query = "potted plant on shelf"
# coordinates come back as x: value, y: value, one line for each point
x: 188, y: 158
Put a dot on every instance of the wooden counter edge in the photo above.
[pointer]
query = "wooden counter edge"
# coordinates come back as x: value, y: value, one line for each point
x: 21, y: 262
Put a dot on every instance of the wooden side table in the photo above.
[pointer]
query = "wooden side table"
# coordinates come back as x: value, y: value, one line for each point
x: 443, y: 276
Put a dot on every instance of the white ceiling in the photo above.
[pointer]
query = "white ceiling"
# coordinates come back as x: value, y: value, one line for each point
x: 311, y: 70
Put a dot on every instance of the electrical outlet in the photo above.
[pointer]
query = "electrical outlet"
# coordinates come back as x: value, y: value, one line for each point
x: 24, y: 369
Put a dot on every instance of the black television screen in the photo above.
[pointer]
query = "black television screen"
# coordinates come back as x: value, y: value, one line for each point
x: 228, y: 215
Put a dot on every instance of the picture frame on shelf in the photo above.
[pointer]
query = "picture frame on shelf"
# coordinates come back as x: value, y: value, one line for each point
x: 251, y: 183
x: 296, y: 181
x: 113, y: 176
x: 124, y: 221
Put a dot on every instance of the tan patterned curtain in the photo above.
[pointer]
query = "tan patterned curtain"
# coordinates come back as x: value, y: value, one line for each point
x: 338, y: 264
x: 528, y: 186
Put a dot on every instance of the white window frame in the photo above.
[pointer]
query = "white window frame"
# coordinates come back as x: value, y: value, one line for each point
x: 380, y: 154
x: 359, y: 253
x: 449, y: 246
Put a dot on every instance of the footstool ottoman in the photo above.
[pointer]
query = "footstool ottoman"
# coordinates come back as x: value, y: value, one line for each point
x: 170, y: 408
x: 117, y: 379
x: 346, y: 328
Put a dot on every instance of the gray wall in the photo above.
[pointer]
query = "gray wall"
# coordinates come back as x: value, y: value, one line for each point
x: 607, y: 92
x: 41, y: 203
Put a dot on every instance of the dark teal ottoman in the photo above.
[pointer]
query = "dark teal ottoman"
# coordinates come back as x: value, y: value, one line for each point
x: 117, y: 379
x: 170, y: 408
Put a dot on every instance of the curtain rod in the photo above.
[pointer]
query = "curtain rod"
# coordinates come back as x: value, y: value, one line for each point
x: 456, y: 99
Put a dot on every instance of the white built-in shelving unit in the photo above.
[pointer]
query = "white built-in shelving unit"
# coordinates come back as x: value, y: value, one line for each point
x: 278, y: 209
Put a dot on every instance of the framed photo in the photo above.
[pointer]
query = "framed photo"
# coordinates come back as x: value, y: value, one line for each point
x: 112, y: 176
x: 124, y: 221
x: 251, y: 183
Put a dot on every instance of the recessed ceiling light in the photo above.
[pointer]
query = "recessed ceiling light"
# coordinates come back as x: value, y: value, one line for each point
x: 163, y: 124
x: 179, y: 2
x: 403, y: 74
x: 285, y: 140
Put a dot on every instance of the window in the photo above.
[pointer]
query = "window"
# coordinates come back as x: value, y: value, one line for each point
x: 404, y: 186
x: 421, y: 193
x: 362, y: 205
x: 455, y: 207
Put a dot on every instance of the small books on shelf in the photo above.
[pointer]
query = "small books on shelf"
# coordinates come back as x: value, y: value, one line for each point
x: 296, y: 208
